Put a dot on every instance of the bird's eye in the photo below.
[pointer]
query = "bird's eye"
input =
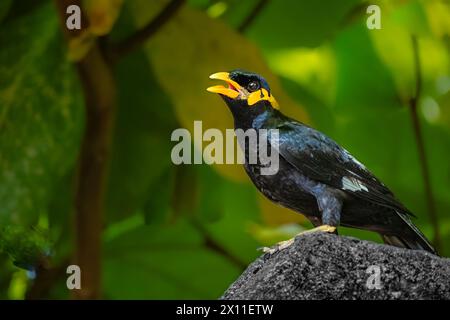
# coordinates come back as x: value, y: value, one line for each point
x: 253, y: 86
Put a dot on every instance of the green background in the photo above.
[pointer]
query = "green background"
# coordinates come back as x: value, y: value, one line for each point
x: 186, y: 232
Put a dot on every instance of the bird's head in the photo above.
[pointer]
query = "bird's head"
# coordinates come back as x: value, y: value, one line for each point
x: 244, y: 89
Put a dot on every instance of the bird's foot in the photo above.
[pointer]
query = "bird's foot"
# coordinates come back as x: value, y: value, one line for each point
x: 278, y: 246
x: 322, y: 228
x: 284, y: 244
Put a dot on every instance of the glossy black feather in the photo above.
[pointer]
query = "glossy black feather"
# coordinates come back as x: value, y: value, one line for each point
x: 322, y: 180
x: 323, y: 160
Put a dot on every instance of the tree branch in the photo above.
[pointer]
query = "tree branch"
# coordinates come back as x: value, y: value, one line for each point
x: 257, y: 9
x: 135, y: 40
x: 212, y: 244
x: 413, y: 104
x: 46, y: 277
x: 99, y: 88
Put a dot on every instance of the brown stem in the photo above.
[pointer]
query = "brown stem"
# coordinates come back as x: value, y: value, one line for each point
x: 135, y: 40
x: 252, y: 16
x: 46, y: 277
x: 356, y: 13
x: 213, y: 245
x: 99, y: 89
x: 413, y: 104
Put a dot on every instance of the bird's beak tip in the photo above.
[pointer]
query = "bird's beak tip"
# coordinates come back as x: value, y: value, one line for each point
x: 220, y: 76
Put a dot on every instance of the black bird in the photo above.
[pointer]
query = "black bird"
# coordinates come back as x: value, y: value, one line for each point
x: 316, y: 176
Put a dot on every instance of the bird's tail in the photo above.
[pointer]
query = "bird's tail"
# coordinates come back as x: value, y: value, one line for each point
x: 414, y: 239
x: 410, y: 238
x: 403, y: 242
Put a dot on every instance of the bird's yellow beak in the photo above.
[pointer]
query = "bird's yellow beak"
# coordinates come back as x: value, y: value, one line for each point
x: 233, y: 89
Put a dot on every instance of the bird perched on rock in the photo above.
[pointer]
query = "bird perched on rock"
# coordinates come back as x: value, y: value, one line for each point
x: 316, y: 176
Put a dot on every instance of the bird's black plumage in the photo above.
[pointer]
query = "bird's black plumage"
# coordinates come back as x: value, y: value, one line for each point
x: 317, y: 177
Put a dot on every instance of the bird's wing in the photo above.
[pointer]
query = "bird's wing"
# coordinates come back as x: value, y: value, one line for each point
x: 323, y: 160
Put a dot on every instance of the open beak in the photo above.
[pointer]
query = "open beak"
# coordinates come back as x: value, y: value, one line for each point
x: 232, y: 90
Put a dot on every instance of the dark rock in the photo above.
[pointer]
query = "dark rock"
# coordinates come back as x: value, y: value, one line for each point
x: 326, y: 266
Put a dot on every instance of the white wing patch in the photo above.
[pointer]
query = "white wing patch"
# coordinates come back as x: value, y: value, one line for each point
x: 352, y: 158
x: 352, y: 184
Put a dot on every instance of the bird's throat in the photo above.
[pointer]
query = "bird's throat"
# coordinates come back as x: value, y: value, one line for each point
x: 244, y: 115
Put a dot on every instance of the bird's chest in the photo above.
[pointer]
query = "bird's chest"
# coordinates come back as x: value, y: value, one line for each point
x: 286, y: 187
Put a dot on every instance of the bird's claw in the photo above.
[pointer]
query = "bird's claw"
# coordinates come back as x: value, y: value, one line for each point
x: 267, y: 250
x: 284, y: 244
x: 322, y: 228
x: 278, y: 247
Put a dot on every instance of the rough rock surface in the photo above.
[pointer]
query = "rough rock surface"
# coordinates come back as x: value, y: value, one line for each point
x: 326, y: 266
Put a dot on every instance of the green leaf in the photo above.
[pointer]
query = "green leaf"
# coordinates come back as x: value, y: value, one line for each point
x: 41, y: 114
x: 313, y: 69
x: 164, y: 263
x: 207, y: 46
x: 293, y: 23
x: 239, y: 210
x: 321, y: 113
x: 60, y: 215
x: 393, y: 44
x: 28, y: 248
x: 4, y: 8
x: 157, y: 208
x: 185, y: 197
x: 363, y: 69
x: 16, y: 9
x: 6, y: 274
x: 211, y: 190
x: 374, y: 123
x: 141, y: 146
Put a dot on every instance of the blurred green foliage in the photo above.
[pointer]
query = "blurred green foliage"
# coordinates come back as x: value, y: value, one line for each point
x: 188, y: 231
x: 28, y: 248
